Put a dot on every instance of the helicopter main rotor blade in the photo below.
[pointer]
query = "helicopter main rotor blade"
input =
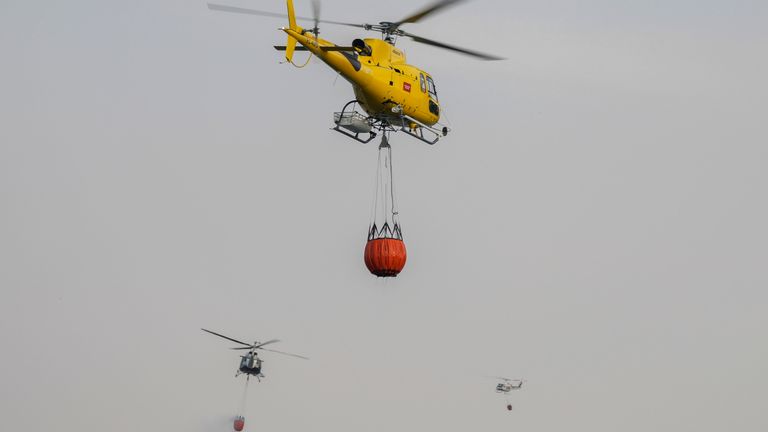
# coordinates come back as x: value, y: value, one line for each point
x: 266, y: 343
x: 242, y: 348
x: 233, y: 9
x: 513, y: 381
x: 228, y: 338
x: 429, y: 10
x: 285, y: 353
x: 472, y: 53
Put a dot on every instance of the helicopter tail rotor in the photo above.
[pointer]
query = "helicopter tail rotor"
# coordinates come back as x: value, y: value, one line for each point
x: 316, y: 18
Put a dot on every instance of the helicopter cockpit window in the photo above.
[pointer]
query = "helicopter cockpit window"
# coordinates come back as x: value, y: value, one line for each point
x: 423, y: 83
x: 431, y: 86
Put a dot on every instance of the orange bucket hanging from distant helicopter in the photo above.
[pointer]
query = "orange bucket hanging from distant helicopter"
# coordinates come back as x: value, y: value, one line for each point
x: 385, y: 250
x: 239, y: 423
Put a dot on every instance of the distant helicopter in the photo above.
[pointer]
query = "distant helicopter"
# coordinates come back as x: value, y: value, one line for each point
x: 250, y: 364
x: 507, y: 385
x: 394, y: 95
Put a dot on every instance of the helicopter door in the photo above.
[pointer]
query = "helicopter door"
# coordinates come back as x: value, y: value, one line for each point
x: 431, y: 88
x: 397, y: 79
x: 433, y: 106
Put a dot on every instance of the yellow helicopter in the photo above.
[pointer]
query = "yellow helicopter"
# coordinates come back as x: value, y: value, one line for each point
x: 393, y: 94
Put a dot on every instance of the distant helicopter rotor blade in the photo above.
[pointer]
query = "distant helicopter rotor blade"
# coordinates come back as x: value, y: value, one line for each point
x: 265, y: 343
x: 242, y: 348
x: 285, y: 353
x: 468, y: 52
x: 233, y: 9
x: 429, y: 10
x: 228, y: 338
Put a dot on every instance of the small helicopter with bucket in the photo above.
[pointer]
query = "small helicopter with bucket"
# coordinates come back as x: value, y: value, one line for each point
x: 250, y: 363
x: 393, y: 95
x: 507, y: 385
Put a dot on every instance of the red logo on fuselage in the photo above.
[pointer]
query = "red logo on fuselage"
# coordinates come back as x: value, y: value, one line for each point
x: 407, y: 87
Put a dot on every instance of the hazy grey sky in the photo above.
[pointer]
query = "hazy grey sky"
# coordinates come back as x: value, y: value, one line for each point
x: 595, y: 222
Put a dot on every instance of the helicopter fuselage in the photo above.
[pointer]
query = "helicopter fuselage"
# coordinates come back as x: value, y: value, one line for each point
x: 384, y: 84
x: 507, y: 387
x: 250, y: 364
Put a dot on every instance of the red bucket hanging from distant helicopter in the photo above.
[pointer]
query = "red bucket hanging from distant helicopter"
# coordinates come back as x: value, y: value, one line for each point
x: 239, y: 423
x: 385, y: 253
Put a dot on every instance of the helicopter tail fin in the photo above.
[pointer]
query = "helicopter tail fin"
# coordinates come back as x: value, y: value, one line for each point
x: 291, y: 16
x: 290, y: 46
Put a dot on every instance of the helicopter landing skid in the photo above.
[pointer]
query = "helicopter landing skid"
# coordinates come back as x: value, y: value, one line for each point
x: 417, y: 129
x: 258, y: 376
x: 352, y: 123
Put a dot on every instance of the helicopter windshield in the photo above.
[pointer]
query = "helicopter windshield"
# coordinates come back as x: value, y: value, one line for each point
x: 431, y: 87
